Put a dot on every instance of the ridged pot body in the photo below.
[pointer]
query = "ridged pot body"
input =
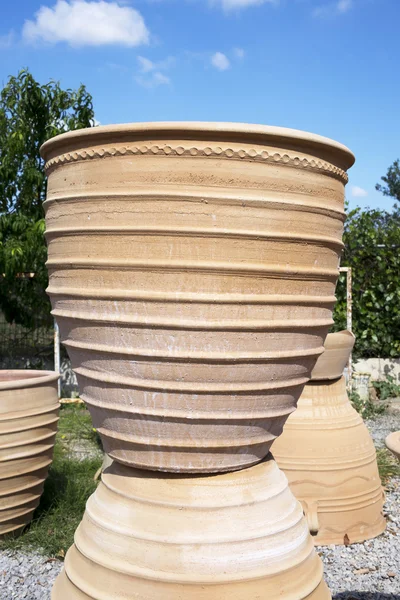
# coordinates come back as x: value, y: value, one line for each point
x: 192, y: 274
x: 155, y: 536
x: 329, y: 459
x: 28, y: 425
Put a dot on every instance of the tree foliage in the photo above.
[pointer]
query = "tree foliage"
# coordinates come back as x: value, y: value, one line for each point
x: 30, y: 114
x: 372, y: 249
x: 392, y: 182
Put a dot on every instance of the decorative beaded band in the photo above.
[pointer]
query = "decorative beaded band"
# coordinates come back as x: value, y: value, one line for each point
x: 252, y: 155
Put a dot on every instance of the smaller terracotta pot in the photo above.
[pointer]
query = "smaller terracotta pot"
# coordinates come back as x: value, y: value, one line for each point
x: 393, y: 443
x: 331, y: 364
x: 28, y: 424
x: 329, y: 457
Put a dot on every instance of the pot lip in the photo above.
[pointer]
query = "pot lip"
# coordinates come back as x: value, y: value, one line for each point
x: 214, y: 130
x: 338, y: 345
x: 392, y: 442
x: 37, y: 377
x: 334, y: 337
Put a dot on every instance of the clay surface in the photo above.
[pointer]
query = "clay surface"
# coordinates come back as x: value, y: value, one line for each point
x: 28, y: 424
x: 331, y: 364
x: 393, y: 443
x: 329, y: 458
x: 192, y: 273
x: 154, y: 536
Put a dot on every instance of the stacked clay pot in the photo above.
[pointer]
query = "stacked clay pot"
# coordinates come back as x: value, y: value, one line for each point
x: 28, y: 424
x: 329, y: 457
x: 192, y: 273
x: 165, y: 536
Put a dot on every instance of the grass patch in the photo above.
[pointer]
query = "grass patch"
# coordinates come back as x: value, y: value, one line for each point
x: 76, y: 434
x: 67, y: 488
x: 366, y: 408
x: 388, y: 466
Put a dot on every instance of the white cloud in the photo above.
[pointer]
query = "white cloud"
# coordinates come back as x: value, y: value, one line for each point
x: 154, y: 80
x: 358, y: 192
x: 150, y: 72
x: 239, y: 52
x: 87, y: 23
x: 344, y: 6
x: 146, y: 65
x: 340, y: 7
x: 238, y: 4
x: 220, y: 61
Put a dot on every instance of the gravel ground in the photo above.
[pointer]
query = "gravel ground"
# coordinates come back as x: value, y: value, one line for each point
x: 369, y: 571
x: 26, y: 576
x: 382, y: 426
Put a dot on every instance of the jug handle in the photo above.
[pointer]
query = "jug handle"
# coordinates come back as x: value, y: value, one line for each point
x: 311, y: 514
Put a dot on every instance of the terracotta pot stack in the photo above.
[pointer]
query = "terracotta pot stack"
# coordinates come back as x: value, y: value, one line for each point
x: 192, y: 273
x: 329, y: 457
x: 28, y: 425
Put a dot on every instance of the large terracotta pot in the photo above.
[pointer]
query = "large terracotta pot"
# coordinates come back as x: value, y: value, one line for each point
x: 192, y: 273
x: 28, y: 425
x: 154, y: 536
x: 329, y: 458
x: 393, y: 443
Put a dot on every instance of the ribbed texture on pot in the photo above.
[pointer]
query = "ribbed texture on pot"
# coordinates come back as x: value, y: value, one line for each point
x: 148, y: 536
x: 393, y: 443
x: 331, y: 364
x: 28, y: 425
x: 329, y: 459
x: 192, y: 274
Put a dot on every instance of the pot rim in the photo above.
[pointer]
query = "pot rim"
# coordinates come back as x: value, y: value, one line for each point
x: 337, y: 345
x: 392, y: 443
x: 334, y: 337
x: 37, y: 377
x: 210, y: 131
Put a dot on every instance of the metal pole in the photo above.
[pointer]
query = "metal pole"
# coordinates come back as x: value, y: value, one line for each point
x: 349, y: 313
x: 57, y: 356
x: 349, y: 289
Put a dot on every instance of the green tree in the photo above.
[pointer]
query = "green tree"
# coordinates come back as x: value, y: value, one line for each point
x: 30, y: 114
x: 392, y: 182
x: 372, y: 249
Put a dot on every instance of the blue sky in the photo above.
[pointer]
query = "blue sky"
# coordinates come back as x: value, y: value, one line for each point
x: 326, y: 66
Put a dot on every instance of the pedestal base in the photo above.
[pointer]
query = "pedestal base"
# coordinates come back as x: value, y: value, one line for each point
x: 158, y: 536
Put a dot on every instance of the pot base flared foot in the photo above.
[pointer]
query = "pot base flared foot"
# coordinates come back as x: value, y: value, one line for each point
x: 64, y: 588
x: 159, y: 536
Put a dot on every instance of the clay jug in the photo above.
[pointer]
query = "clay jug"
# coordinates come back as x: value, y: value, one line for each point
x: 153, y: 536
x: 28, y: 425
x: 329, y: 457
x: 192, y: 273
x: 393, y: 443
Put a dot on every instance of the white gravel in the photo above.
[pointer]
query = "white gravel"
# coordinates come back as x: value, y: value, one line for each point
x: 368, y: 571
x: 382, y: 426
x: 26, y: 576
